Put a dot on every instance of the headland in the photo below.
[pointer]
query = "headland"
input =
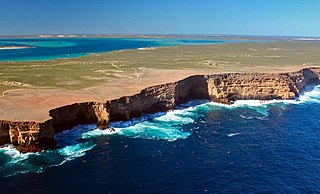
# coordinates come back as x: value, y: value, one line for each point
x: 224, y: 88
x: 51, y: 96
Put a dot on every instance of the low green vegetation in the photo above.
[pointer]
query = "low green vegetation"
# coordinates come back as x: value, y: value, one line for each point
x: 93, y: 70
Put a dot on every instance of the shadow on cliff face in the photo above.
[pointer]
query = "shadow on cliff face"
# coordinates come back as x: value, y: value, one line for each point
x: 195, y: 87
x: 160, y: 98
x: 311, y: 76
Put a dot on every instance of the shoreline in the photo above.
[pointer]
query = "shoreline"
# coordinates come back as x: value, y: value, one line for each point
x: 13, y: 48
x: 205, y: 36
x: 88, y: 54
x: 32, y: 88
x: 29, y: 136
x: 17, y: 104
x: 76, y: 56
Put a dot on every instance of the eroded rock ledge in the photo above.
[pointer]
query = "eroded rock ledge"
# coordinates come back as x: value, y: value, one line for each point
x: 224, y: 88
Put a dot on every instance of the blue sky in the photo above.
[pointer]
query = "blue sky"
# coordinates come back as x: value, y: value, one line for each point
x: 250, y: 17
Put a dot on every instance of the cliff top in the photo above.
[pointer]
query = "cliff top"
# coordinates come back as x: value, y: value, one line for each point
x: 30, y: 89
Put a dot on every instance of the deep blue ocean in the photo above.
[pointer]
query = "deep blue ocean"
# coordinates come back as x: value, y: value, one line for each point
x: 201, y: 147
x: 53, y: 48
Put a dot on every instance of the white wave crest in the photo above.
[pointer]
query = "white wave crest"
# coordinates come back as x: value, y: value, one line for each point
x: 168, y: 126
x: 13, y: 162
x: 233, y: 134
x: 312, y: 95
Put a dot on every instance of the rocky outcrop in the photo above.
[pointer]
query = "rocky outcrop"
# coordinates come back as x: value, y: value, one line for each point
x: 158, y: 98
x: 224, y: 88
x: 69, y: 116
x: 28, y: 136
x: 304, y: 77
x: 230, y: 87
x: 194, y: 87
x: 4, y: 132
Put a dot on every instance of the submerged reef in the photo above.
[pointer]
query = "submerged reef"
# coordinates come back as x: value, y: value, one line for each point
x: 29, y: 136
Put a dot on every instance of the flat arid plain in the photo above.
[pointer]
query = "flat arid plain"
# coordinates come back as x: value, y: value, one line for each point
x: 30, y: 89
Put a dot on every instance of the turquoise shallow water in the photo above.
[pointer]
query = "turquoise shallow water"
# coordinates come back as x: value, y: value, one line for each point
x: 201, y: 147
x: 46, y: 49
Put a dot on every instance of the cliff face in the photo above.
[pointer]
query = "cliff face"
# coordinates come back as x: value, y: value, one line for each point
x: 4, y: 132
x: 28, y: 136
x: 194, y: 87
x: 158, y: 98
x: 224, y: 88
x: 304, y: 77
x: 230, y: 87
x: 69, y: 116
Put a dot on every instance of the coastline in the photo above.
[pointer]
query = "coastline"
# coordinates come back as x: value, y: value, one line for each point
x: 98, y: 77
x: 145, y: 43
x: 14, y: 47
x: 58, y: 94
x: 33, y: 104
x: 223, y: 88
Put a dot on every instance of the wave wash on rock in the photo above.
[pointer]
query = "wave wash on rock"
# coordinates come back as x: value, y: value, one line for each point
x: 224, y: 88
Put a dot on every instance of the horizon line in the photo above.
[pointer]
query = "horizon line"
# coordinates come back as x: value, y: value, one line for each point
x: 156, y: 34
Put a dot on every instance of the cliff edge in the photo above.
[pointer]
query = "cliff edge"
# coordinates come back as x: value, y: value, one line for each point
x: 224, y: 88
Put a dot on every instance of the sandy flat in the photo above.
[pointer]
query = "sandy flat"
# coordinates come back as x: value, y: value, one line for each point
x: 34, y: 104
x: 106, y: 76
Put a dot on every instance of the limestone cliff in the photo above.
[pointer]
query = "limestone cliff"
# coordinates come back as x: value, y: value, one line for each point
x: 28, y: 136
x: 224, y: 88
x: 69, y: 116
x: 158, y: 98
x: 230, y: 87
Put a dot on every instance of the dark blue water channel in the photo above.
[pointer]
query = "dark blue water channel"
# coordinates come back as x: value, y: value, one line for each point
x: 202, y: 147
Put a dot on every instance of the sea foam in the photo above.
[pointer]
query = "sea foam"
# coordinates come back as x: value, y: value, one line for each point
x: 168, y: 126
x: 76, y: 142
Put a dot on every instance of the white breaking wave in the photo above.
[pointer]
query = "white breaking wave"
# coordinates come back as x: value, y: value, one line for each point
x: 183, y: 116
x: 76, y: 142
x: 168, y: 126
x: 233, y: 134
x: 312, y: 95
x: 13, y: 162
x: 13, y: 153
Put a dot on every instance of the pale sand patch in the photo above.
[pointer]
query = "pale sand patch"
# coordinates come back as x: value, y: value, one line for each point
x: 14, y: 47
x: 13, y: 83
x: 34, y: 104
